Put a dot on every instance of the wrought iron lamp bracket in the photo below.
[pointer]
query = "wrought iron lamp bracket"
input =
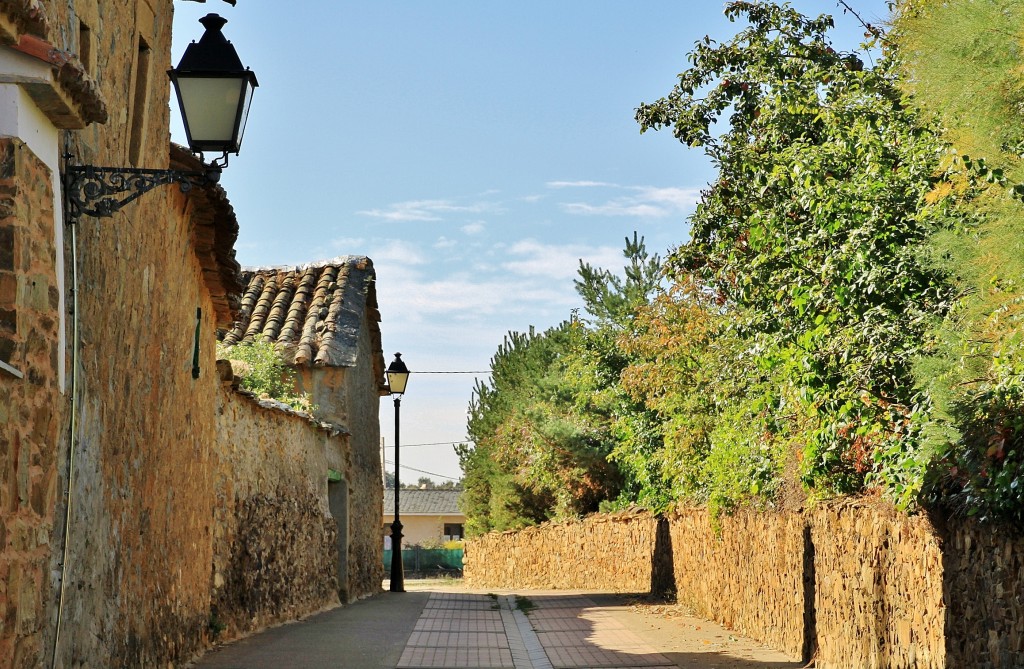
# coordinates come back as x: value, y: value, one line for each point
x: 101, y: 191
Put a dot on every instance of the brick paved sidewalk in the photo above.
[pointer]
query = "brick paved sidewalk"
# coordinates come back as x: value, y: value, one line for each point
x: 449, y: 628
x: 555, y: 634
x: 568, y: 631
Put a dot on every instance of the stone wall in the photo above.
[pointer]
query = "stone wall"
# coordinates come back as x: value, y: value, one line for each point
x: 364, y: 476
x: 613, y: 553
x: 984, y: 596
x: 853, y: 585
x: 149, y: 490
x: 274, y: 555
x: 748, y: 574
x: 30, y: 405
x: 878, y: 592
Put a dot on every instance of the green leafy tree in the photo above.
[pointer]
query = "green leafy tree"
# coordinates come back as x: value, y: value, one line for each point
x: 533, y: 458
x: 813, y: 240
x: 545, y: 425
x: 612, y: 300
x: 597, y: 359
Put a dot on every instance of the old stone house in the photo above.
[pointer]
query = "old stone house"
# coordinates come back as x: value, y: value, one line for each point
x: 323, y: 318
x: 144, y: 505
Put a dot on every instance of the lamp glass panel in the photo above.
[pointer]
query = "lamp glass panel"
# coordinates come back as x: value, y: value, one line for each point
x: 245, y: 112
x: 397, y: 382
x: 210, y: 107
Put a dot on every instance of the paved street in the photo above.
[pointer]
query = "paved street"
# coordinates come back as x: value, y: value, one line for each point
x: 441, y: 625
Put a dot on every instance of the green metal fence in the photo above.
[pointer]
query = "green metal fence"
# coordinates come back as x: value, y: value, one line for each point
x: 428, y: 561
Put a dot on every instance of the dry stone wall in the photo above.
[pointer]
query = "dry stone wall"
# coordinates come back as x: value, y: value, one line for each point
x: 878, y: 595
x: 851, y: 584
x: 984, y: 596
x: 601, y: 552
x: 748, y: 574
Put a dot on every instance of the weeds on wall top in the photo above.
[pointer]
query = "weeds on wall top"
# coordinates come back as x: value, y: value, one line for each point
x: 265, y: 373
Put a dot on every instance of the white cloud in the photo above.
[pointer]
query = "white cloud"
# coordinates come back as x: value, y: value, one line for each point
x: 347, y: 244
x: 620, y: 207
x: 642, y: 202
x: 396, y: 252
x: 680, y: 198
x: 445, y: 243
x: 580, y: 184
x: 473, y: 228
x: 558, y: 262
x: 425, y: 210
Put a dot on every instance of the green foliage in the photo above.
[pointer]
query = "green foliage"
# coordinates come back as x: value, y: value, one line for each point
x: 548, y: 420
x: 214, y: 626
x: 846, y: 315
x: 810, y: 242
x: 720, y: 444
x: 266, y: 374
x: 612, y: 300
x: 532, y: 458
x: 963, y: 62
x: 982, y: 473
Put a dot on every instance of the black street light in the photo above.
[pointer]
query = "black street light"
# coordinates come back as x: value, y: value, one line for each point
x: 214, y: 91
x: 398, y: 377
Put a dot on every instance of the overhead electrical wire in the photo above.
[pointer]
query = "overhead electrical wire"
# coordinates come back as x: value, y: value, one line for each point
x: 420, y: 471
x: 417, y: 372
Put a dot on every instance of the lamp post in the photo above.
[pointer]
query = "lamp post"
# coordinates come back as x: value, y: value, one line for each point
x: 398, y: 377
x: 214, y: 91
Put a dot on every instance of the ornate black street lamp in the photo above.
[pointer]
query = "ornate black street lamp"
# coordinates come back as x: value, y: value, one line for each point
x: 398, y: 377
x: 214, y: 91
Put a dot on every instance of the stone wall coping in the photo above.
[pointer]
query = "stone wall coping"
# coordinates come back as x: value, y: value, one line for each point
x: 331, y: 429
x: 624, y: 516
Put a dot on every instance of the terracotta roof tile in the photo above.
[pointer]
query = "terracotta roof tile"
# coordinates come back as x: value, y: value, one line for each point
x: 314, y: 312
x: 215, y: 232
x: 73, y: 99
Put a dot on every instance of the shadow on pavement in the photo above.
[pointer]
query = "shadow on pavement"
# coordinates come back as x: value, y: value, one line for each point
x: 610, y: 630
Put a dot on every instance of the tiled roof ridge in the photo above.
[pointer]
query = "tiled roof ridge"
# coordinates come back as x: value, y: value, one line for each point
x: 312, y: 312
x: 315, y: 264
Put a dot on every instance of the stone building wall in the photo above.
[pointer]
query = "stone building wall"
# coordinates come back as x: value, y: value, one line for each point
x: 29, y: 406
x: 274, y: 540
x: 137, y: 590
x: 852, y: 585
x: 149, y: 489
x: 365, y: 478
x: 140, y: 540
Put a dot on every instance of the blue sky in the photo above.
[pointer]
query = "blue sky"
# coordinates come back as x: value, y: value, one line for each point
x: 476, y: 151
